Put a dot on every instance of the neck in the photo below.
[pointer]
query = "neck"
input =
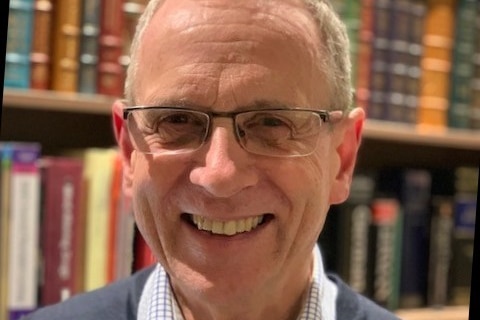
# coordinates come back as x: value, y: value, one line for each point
x: 277, y: 299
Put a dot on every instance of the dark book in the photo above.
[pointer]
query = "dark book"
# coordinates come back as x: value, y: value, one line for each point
x: 354, y: 217
x: 440, y: 254
x: 462, y: 65
x: 398, y: 62
x: 382, y: 16
x: 19, y: 35
x: 90, y: 30
x: 62, y: 195
x: 383, y: 275
x: 417, y: 11
x: 466, y: 179
x: 415, y: 202
x: 475, y: 82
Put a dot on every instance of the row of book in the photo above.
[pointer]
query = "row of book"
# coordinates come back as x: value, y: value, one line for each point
x: 405, y: 236
x: 73, y: 46
x: 65, y: 227
x: 416, y: 61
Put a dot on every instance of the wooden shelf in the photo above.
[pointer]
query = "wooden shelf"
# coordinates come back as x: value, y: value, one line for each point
x: 57, y: 101
x: 411, y: 134
x: 447, y: 313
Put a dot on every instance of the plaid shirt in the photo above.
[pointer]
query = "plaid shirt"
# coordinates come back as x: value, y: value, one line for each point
x: 158, y: 302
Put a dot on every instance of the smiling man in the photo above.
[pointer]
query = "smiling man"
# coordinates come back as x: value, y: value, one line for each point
x: 237, y: 134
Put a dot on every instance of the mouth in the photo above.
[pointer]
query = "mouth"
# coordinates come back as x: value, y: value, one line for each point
x: 229, y: 227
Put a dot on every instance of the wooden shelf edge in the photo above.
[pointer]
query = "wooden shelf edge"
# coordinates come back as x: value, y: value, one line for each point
x: 57, y: 101
x: 412, y: 134
x: 444, y: 313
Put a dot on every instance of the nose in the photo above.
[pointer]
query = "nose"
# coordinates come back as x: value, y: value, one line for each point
x: 224, y: 167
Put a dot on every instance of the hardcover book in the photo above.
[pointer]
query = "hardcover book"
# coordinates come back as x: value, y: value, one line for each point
x: 19, y: 35
x: 24, y: 221
x: 61, y: 239
x: 40, y: 56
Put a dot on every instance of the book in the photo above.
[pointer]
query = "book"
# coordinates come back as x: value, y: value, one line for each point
x: 98, y: 172
x: 62, y: 188
x: 398, y: 63
x: 382, y: 15
x: 5, y: 164
x: 65, y: 46
x: 462, y: 65
x: 88, y: 56
x: 417, y: 11
x: 132, y: 9
x: 465, y: 203
x: 349, y: 10
x: 40, y: 55
x: 143, y: 255
x: 441, y: 227
x: 19, y: 35
x: 110, y: 77
x: 436, y: 64
x: 364, y: 58
x: 415, y: 201
x: 383, y: 253
x: 475, y: 82
x: 24, y: 219
x: 354, y: 217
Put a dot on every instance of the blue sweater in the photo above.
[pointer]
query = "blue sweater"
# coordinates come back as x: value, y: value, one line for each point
x: 119, y: 301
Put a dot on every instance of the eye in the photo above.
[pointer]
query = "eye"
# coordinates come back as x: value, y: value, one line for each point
x: 270, y: 126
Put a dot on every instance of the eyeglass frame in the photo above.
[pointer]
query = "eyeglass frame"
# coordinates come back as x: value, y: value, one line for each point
x: 325, y: 116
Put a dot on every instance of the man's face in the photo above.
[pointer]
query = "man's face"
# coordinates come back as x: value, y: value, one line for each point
x: 225, y: 56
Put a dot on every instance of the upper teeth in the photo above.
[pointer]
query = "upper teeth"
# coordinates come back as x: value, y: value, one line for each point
x: 228, y: 228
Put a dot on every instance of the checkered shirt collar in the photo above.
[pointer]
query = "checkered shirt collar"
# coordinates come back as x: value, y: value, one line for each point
x: 158, y: 302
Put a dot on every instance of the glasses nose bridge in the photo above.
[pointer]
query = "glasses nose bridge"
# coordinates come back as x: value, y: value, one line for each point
x: 226, y: 115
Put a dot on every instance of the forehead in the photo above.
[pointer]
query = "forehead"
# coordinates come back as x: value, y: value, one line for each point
x: 219, y: 47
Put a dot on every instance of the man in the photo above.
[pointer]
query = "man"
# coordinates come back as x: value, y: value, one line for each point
x: 237, y: 135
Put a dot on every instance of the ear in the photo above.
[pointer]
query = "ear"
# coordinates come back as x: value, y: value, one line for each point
x: 347, y: 145
x: 124, y: 144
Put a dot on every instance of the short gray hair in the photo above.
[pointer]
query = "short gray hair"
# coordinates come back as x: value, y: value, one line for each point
x: 335, y: 44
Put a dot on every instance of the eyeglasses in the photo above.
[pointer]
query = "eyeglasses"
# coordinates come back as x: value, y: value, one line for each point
x: 269, y: 132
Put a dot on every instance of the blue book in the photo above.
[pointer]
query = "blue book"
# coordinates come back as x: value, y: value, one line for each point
x: 19, y: 35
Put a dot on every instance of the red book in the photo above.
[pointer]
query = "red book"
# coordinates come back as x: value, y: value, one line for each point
x: 110, y: 70
x: 61, y: 235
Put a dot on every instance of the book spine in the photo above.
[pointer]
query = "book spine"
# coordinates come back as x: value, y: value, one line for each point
x: 364, y: 59
x: 415, y: 201
x: 436, y: 64
x: 98, y: 173
x: 66, y: 42
x: 377, y: 108
x: 40, y: 56
x: 19, y: 35
x: 417, y: 11
x: 24, y: 230
x: 382, y: 250
x: 87, y: 82
x: 132, y: 9
x: 354, y: 222
x: 398, y: 56
x: 465, y: 204
x: 62, y: 185
x: 441, y: 227
x: 475, y: 82
x: 110, y: 70
x: 6, y: 156
x: 462, y: 69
